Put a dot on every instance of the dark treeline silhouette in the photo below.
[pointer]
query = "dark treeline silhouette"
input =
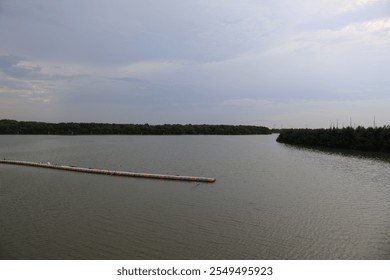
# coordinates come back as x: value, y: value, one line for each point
x: 21, y: 127
x: 360, y: 138
x: 279, y: 130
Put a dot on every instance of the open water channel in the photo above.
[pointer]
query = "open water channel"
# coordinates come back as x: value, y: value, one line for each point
x: 270, y: 200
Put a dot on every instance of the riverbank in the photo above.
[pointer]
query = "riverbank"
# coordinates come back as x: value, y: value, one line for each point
x: 13, y: 127
x: 360, y: 138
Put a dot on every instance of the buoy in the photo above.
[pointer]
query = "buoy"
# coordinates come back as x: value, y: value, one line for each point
x: 109, y: 172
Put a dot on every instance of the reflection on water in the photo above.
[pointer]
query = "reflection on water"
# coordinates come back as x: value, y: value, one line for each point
x: 344, y: 152
x: 270, y: 200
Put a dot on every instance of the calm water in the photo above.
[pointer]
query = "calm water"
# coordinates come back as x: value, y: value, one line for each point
x: 270, y: 201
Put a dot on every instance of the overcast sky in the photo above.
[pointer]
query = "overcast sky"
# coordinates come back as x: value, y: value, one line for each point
x: 290, y: 63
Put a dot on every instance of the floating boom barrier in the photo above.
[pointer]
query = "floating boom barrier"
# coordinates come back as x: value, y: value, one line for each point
x: 109, y: 172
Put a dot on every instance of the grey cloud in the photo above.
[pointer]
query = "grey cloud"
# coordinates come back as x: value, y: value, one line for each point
x: 8, y: 65
x: 123, y: 31
x: 7, y: 61
x: 183, y: 59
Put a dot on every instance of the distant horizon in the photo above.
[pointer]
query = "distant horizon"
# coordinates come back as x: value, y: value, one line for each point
x: 142, y: 123
x: 210, y: 124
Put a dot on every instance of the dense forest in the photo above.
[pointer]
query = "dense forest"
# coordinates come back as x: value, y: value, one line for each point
x: 360, y: 138
x: 21, y: 127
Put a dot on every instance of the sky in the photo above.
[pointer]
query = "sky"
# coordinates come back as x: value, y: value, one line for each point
x: 280, y: 63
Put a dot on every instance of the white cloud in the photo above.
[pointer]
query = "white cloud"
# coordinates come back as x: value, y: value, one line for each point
x: 378, y: 27
x: 353, y: 5
x: 370, y: 33
x: 33, y: 91
x: 326, y: 8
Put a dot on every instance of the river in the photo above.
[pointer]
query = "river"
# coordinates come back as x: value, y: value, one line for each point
x: 269, y: 201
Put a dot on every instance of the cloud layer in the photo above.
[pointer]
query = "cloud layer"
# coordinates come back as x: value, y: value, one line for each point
x: 284, y: 63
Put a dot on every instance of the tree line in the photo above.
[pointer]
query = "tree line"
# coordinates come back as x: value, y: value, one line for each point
x: 360, y: 138
x: 72, y: 128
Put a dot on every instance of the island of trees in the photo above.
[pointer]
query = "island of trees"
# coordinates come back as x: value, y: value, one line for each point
x: 360, y: 138
x: 72, y: 128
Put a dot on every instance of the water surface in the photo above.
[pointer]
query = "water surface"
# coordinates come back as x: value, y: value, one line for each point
x: 270, y: 200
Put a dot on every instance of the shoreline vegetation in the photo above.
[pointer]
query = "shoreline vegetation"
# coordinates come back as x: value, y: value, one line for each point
x: 375, y: 139
x: 13, y: 127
